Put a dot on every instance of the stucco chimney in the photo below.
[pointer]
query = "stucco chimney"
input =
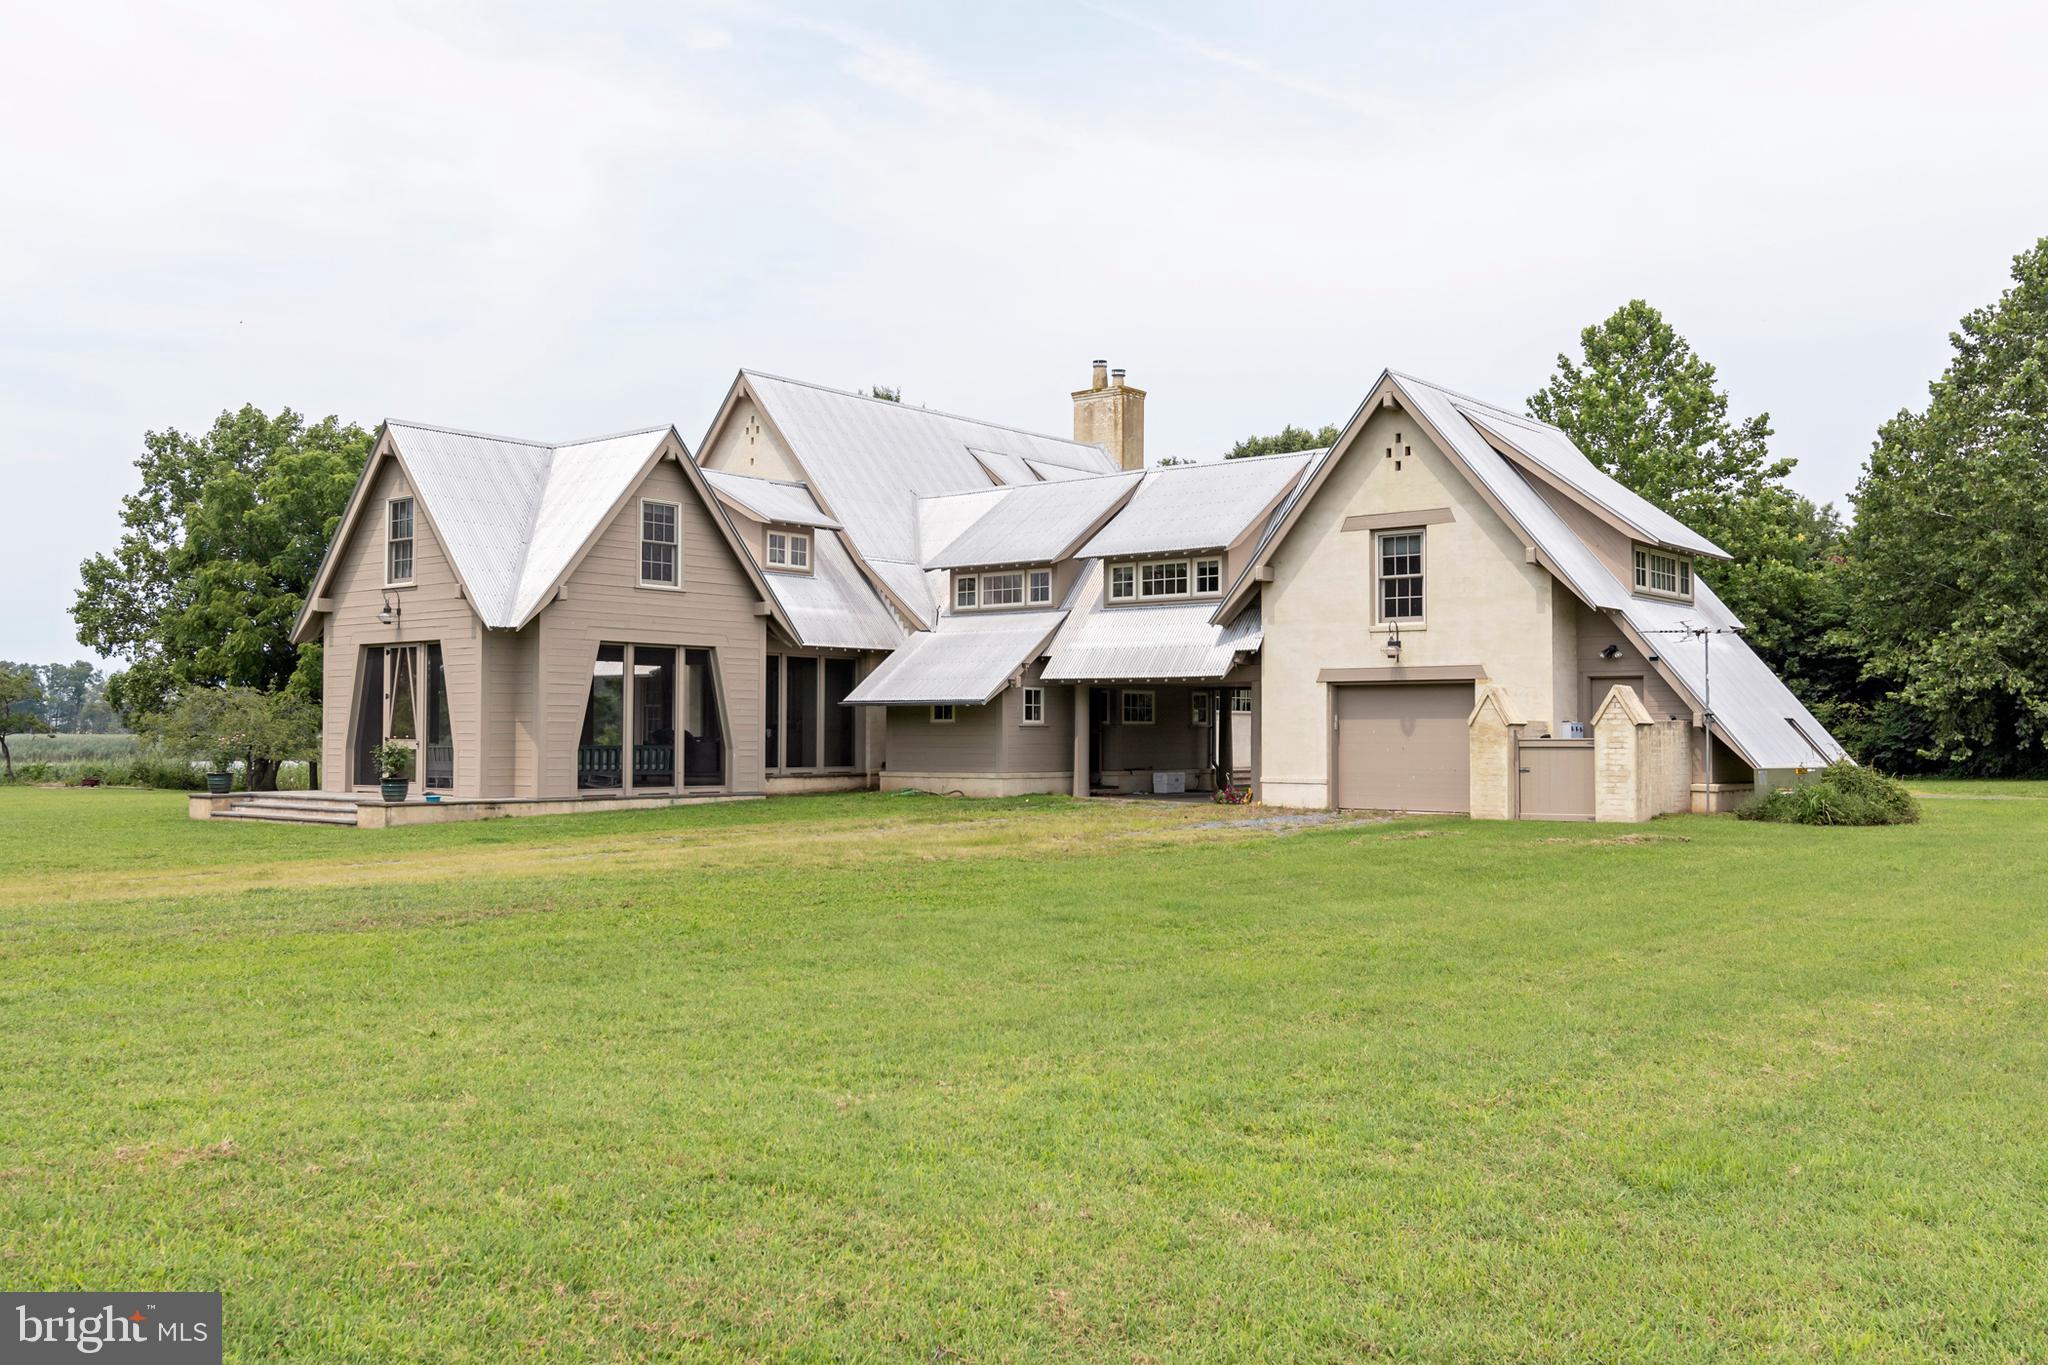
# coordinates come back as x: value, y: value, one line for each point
x: 1111, y: 414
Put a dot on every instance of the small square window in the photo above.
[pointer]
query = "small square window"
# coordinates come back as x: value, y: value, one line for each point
x: 942, y: 715
x: 1208, y: 575
x: 1034, y: 706
x: 964, y: 592
x: 1041, y: 585
x: 1137, y: 708
x: 1123, y: 582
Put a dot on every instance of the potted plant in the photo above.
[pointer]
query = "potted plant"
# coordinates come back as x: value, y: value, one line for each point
x: 394, y: 763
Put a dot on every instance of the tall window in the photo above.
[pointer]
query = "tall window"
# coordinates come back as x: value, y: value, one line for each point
x: 1123, y: 582
x: 963, y: 592
x: 1401, y: 576
x: 1208, y: 575
x: 398, y: 549
x: 1199, y: 708
x: 1668, y: 575
x: 1002, y: 589
x: 1034, y: 706
x: 1041, y: 585
x: 658, y: 544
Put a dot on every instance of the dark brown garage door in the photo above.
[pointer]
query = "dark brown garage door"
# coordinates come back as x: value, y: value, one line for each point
x: 1403, y: 746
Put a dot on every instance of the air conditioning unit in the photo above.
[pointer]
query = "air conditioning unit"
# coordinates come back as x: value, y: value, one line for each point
x: 1574, y: 729
x: 1169, y: 784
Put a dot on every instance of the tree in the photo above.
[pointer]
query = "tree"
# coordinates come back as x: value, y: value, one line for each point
x: 21, y: 693
x: 226, y: 725
x: 886, y: 392
x: 68, y: 691
x: 221, y: 546
x: 1645, y: 407
x: 1951, y: 542
x: 1290, y: 439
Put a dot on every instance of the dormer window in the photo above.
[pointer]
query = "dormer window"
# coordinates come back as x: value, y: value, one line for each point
x: 790, y: 550
x: 1041, y: 586
x: 1123, y: 582
x: 1663, y: 575
x: 965, y: 593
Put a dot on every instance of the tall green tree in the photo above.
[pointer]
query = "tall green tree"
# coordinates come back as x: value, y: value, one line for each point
x: 220, y: 547
x: 68, y: 692
x: 21, y: 695
x: 1648, y: 409
x: 1286, y: 441
x: 1950, y: 546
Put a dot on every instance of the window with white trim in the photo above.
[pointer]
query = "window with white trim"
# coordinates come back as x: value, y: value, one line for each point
x: 1240, y: 701
x: 1123, y: 582
x: 1041, y: 586
x: 398, y: 541
x: 1138, y: 708
x: 1208, y: 575
x: 1200, y: 707
x: 789, y: 550
x: 942, y: 715
x: 1400, y: 575
x: 1002, y: 589
x: 1168, y: 578
x: 964, y: 592
x: 658, y: 542
x: 1663, y: 574
x: 1034, y: 706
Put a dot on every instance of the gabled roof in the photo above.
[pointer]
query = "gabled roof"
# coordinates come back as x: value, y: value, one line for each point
x: 769, y: 500
x: 1034, y: 524
x: 1146, y: 642
x: 963, y: 661
x: 515, y: 517
x: 1197, y: 506
x: 867, y: 460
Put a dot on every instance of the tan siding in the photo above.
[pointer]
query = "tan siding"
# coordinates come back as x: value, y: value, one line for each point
x: 1596, y: 631
x: 604, y: 602
x: 971, y: 744
x: 432, y: 609
x: 1610, y: 546
x: 1172, y: 741
x: 1047, y: 748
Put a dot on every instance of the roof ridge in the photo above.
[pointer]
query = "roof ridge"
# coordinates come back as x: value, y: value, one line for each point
x: 935, y: 412
x: 521, y: 440
x: 1226, y: 462
x: 1457, y: 397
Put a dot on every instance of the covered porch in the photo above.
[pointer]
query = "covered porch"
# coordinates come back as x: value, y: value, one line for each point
x: 1164, y: 738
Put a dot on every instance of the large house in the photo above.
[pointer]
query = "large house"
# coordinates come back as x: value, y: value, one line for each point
x: 1450, y: 609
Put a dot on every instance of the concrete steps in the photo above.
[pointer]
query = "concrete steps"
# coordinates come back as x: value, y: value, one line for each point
x: 286, y: 808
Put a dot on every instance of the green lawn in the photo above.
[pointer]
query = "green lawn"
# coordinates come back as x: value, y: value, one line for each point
x: 904, y: 1078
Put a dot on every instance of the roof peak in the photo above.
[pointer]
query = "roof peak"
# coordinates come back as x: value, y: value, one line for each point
x: 521, y: 440
x: 934, y: 412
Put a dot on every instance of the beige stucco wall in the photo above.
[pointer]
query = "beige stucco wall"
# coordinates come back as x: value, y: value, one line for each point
x: 431, y: 609
x: 746, y: 444
x: 1486, y: 605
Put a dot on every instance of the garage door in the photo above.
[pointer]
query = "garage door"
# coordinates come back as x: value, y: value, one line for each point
x: 1404, y: 747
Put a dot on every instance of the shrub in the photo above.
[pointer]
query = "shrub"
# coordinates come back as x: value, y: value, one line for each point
x: 1843, y: 794
x: 34, y: 772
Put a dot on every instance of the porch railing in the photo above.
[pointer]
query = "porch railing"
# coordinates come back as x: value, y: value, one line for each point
x: 654, y: 764
x: 597, y: 765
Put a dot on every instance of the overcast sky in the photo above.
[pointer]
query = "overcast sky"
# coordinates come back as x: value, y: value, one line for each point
x: 556, y: 221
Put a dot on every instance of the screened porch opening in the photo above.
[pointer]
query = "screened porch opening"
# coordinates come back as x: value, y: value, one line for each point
x: 653, y: 717
x: 809, y: 728
x: 402, y: 696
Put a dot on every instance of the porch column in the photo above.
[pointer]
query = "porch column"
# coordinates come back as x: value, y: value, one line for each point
x: 1084, y: 724
x: 1258, y: 724
x: 1221, y: 712
x: 626, y: 723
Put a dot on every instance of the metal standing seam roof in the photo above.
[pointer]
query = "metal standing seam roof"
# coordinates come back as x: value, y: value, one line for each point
x: 868, y: 459
x: 1752, y: 706
x: 911, y: 585
x: 1036, y: 523
x: 1554, y: 452
x: 775, y: 500
x: 963, y: 661
x: 1053, y: 473
x: 511, y: 514
x: 1163, y: 642
x: 1196, y: 507
x: 834, y: 606
x: 1009, y: 470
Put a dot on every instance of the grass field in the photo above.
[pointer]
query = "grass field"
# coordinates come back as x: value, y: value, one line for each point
x: 890, y: 1077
